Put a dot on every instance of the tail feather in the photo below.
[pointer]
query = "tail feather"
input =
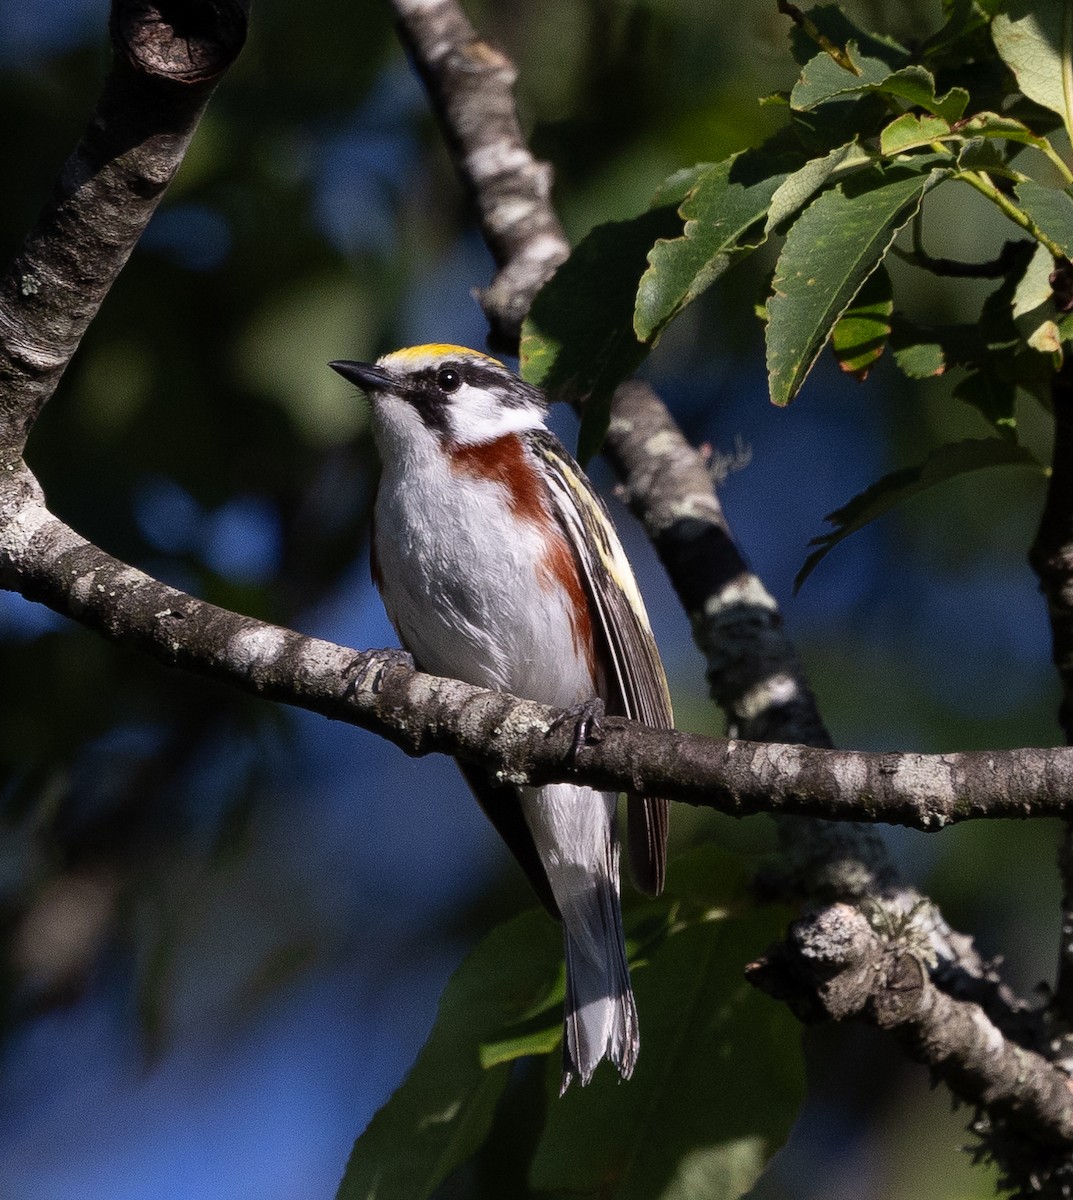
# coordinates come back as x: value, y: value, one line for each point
x: 601, y: 1016
x: 574, y: 831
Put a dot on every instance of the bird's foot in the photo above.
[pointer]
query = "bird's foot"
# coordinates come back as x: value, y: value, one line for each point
x: 370, y: 668
x: 586, y: 718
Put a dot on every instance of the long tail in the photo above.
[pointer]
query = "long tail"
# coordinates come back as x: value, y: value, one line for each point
x: 574, y: 830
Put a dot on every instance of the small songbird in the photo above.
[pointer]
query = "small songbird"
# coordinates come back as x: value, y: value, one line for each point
x: 498, y: 565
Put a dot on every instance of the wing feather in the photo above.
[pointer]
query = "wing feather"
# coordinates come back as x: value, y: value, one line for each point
x: 636, y: 685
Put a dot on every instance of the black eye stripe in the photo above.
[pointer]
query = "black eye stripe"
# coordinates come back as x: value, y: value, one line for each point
x: 430, y: 388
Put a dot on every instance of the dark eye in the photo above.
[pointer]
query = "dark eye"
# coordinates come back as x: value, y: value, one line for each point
x: 448, y: 379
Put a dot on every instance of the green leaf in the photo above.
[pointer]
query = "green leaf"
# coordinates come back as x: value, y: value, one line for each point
x: 909, y: 130
x: 719, y: 1079
x: 947, y: 461
x: 836, y: 243
x: 798, y: 188
x: 860, y: 337
x: 442, y: 1111
x: 719, y: 212
x: 824, y: 80
x: 994, y: 125
x: 1035, y: 40
x: 578, y: 341
x: 1051, y: 209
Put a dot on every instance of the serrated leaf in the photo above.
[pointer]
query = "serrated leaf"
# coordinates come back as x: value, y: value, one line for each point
x: 824, y: 80
x: 718, y: 1082
x: 798, y: 188
x: 577, y: 340
x: 1051, y: 209
x: 909, y: 130
x: 443, y: 1109
x: 946, y: 462
x: 675, y: 188
x: 1035, y: 40
x: 832, y: 248
x: 860, y: 336
x: 719, y: 212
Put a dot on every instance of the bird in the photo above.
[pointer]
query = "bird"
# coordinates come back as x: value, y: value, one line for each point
x: 498, y: 565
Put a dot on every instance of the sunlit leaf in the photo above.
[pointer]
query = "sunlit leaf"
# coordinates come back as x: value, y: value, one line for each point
x: 719, y: 212
x: 1033, y: 310
x: 946, y: 462
x: 798, y: 188
x: 995, y: 125
x: 830, y: 251
x: 1035, y: 39
x: 824, y: 80
x: 909, y: 131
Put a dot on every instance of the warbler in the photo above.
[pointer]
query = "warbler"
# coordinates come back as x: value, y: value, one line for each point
x: 498, y: 565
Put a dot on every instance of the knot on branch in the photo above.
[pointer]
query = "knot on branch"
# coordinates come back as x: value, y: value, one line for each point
x: 833, y: 966
x: 186, y: 41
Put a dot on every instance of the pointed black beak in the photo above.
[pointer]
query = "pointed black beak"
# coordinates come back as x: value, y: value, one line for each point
x: 365, y: 375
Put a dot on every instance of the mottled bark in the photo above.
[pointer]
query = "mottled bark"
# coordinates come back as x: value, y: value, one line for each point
x: 168, y: 57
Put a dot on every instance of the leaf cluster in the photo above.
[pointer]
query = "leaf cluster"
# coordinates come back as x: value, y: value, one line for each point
x: 702, y: 1025
x: 873, y: 128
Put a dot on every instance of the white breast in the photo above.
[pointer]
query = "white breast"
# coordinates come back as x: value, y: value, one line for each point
x: 462, y: 583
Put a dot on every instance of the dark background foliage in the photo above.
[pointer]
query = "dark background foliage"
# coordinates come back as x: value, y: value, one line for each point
x: 225, y: 926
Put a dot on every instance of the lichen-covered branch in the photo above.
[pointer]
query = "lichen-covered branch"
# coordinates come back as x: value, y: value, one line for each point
x: 471, y: 86
x: 167, y: 60
x: 516, y: 740
x: 835, y: 965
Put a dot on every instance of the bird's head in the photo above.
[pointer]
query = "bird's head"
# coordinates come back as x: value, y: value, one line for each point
x: 457, y: 396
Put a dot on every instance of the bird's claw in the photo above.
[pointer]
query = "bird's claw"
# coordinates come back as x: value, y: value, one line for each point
x: 371, y: 667
x: 586, y: 718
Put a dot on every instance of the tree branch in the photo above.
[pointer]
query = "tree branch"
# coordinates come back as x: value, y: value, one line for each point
x: 516, y: 740
x: 470, y: 85
x: 167, y: 59
x: 835, y: 966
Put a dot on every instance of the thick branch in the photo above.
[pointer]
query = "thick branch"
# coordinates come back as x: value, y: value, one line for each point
x: 471, y: 86
x: 516, y: 740
x: 835, y: 966
x: 754, y: 674
x: 168, y: 57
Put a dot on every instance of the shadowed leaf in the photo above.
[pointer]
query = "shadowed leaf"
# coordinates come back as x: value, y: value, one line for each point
x: 954, y: 458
